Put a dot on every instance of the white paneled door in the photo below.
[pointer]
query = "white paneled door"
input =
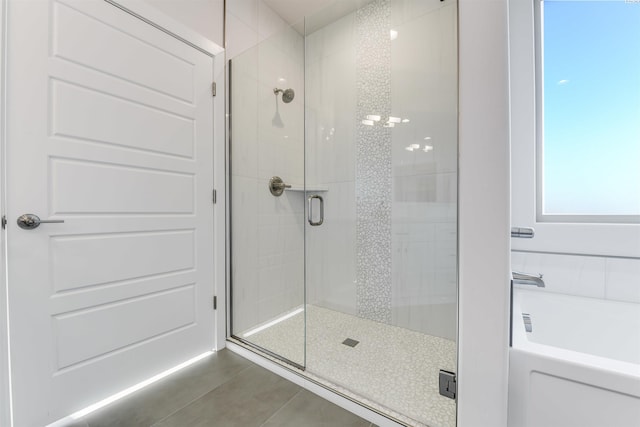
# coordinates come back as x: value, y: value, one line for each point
x: 110, y: 129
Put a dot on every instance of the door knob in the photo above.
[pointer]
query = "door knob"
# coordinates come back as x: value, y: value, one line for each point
x: 31, y: 221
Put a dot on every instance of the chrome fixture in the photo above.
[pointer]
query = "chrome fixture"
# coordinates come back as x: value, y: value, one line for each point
x: 310, y: 210
x: 277, y: 186
x: 526, y: 279
x: 287, y: 94
x: 447, y: 384
x: 31, y: 221
x: 526, y: 318
x: 523, y: 232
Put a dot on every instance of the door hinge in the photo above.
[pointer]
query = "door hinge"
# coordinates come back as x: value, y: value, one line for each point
x: 213, y: 89
x: 215, y: 303
x: 4, y: 222
x: 215, y: 196
x: 448, y: 386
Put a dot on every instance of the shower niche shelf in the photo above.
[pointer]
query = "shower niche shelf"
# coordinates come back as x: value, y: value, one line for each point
x: 309, y: 189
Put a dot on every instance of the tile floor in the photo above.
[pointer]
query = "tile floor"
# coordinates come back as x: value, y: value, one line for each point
x: 223, y: 390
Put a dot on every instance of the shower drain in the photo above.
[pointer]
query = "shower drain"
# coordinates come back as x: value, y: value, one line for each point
x: 350, y: 342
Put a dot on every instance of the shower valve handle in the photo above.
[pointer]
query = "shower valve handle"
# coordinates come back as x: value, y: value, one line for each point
x: 277, y: 186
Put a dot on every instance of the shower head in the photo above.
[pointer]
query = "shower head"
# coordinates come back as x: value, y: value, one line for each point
x: 287, y: 94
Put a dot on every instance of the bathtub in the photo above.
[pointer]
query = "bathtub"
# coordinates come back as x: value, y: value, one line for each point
x: 580, y: 364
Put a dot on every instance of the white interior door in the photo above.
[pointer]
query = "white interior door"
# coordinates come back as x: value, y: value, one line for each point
x: 109, y: 128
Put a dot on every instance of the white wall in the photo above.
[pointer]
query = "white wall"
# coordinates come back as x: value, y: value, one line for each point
x: 484, y: 218
x: 248, y: 22
x: 203, y: 16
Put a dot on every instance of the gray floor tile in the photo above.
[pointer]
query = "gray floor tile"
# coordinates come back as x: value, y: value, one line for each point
x: 247, y: 400
x: 308, y: 410
x: 163, y: 398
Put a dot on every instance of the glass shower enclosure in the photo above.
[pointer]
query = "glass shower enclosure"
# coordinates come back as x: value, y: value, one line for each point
x: 343, y: 179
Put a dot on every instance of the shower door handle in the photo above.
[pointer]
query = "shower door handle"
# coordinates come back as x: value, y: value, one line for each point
x: 310, y: 210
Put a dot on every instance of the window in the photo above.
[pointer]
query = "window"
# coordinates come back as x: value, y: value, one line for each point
x: 575, y: 125
x: 588, y: 111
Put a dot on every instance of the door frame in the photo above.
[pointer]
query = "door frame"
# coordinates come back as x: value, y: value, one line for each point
x: 5, y: 377
x: 167, y: 24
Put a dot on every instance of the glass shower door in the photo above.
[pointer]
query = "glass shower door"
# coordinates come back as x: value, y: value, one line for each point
x: 381, y: 156
x: 267, y: 197
x: 343, y: 146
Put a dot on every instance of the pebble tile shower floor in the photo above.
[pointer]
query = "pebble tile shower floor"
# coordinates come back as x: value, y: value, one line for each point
x: 391, y: 369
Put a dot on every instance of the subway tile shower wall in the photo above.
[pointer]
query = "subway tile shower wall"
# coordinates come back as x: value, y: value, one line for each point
x: 267, y: 140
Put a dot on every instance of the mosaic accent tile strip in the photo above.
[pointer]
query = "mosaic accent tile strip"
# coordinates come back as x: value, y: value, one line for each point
x: 373, y: 162
x: 394, y: 370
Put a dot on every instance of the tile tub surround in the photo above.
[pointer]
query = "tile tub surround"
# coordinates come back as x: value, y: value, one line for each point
x: 615, y: 279
x: 392, y: 369
x: 223, y: 389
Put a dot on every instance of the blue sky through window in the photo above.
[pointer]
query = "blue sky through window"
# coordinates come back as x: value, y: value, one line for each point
x: 591, y: 107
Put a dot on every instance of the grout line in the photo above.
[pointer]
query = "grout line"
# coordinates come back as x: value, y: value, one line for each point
x: 523, y: 251
x: 203, y: 395
x: 283, y: 405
